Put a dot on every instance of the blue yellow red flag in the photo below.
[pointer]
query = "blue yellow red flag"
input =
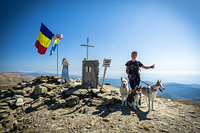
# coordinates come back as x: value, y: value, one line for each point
x: 44, y: 39
x: 54, y: 47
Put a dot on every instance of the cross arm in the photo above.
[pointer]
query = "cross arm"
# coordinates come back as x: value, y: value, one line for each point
x: 86, y: 45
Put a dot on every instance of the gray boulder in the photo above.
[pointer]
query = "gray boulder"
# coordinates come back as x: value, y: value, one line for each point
x: 107, y: 100
x: 3, y: 104
x: 43, y: 81
x: 3, y: 110
x: 27, y: 100
x: 94, y: 91
x: 19, y: 102
x: 72, y: 100
x: 96, y: 102
x: 56, y: 97
x: 11, y: 102
x: 20, y: 92
x: 28, y: 90
x: 57, y: 78
x: 62, y: 103
x: 69, y: 91
x: 17, y: 96
x: 37, y: 103
x: 72, y: 80
x: 56, y: 105
x: 76, y: 92
x: 80, y: 92
x: 40, y: 90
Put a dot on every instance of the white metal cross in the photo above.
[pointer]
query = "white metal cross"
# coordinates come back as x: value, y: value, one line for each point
x: 87, y: 46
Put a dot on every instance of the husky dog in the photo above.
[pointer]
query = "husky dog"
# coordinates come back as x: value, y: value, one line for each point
x: 151, y: 91
x: 124, y: 90
x: 134, y: 96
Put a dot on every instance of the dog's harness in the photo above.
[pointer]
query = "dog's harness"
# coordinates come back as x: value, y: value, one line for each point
x: 133, y: 77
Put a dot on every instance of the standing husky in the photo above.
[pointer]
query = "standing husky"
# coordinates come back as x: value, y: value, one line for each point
x: 151, y: 91
x: 124, y: 90
x: 134, y: 96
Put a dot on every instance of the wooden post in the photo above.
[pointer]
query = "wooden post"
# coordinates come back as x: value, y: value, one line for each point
x: 103, y: 79
x: 106, y: 63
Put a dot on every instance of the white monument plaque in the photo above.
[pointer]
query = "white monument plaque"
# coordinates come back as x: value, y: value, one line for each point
x: 65, y: 72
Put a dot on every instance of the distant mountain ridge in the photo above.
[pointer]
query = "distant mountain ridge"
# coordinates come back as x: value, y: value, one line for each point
x: 14, y: 78
x: 34, y: 74
x: 190, y: 101
x: 40, y: 73
x: 174, y: 91
x: 170, y: 96
x: 186, y: 91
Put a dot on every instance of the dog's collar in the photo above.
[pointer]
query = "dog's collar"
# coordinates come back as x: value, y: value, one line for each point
x: 152, y: 88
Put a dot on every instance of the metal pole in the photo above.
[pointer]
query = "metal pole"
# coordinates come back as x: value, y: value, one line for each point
x: 87, y: 46
x: 103, y: 79
x: 57, y: 60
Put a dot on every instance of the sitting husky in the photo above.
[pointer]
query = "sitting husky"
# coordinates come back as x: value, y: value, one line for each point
x: 151, y: 91
x: 134, y: 96
x: 124, y: 90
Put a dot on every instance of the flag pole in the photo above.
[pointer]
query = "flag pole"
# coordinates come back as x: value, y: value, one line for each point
x: 57, y: 37
x: 57, y: 60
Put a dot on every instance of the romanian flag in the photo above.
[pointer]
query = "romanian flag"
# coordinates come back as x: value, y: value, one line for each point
x: 54, y: 46
x: 44, y: 39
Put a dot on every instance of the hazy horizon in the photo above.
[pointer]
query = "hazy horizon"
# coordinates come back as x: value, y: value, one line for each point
x: 182, y: 77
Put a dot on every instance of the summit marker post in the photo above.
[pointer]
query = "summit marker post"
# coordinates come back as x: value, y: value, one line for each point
x: 106, y: 63
x: 87, y: 46
x: 65, y: 71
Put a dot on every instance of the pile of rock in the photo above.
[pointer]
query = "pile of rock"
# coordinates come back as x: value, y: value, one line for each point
x: 46, y: 91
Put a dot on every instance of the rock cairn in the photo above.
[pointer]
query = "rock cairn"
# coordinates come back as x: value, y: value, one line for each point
x: 45, y: 92
x: 44, y: 105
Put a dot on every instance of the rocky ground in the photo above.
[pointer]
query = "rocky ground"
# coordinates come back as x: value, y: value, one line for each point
x: 44, y: 105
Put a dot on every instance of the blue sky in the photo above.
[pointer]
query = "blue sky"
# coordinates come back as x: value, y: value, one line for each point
x: 164, y: 32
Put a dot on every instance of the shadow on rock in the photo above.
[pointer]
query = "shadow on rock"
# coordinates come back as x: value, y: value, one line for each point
x: 28, y: 110
x: 142, y: 115
x: 104, y: 111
